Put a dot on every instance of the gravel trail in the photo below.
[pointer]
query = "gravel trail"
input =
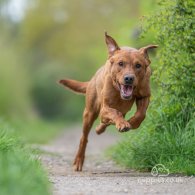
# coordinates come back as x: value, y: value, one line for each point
x: 101, y: 175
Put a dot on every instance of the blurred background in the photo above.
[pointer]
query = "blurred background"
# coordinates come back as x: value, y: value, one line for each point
x: 42, y: 41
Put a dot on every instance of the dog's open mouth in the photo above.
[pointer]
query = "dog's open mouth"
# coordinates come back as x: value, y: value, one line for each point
x: 126, y: 91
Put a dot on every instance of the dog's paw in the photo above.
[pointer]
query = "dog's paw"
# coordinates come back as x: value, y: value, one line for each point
x: 78, y: 164
x: 123, y: 126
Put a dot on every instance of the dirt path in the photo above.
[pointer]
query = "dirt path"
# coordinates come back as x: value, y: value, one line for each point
x: 101, y: 175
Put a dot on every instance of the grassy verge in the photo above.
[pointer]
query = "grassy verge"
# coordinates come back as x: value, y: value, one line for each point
x: 37, y: 131
x: 172, y: 146
x: 21, y: 173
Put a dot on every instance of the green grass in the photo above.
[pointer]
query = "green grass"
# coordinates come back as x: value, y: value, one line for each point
x: 37, y: 130
x: 142, y: 149
x: 21, y: 172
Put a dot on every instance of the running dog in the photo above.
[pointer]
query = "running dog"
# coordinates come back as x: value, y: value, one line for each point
x: 110, y: 94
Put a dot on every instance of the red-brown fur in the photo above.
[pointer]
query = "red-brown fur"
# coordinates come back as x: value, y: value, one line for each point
x: 105, y: 96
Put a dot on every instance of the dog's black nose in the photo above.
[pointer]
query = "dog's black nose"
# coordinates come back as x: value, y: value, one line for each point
x: 128, y: 79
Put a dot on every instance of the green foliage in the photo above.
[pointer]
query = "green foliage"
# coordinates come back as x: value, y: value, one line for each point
x: 37, y: 130
x: 51, y: 99
x: 14, y: 83
x: 169, y: 137
x: 21, y: 173
x: 176, y: 69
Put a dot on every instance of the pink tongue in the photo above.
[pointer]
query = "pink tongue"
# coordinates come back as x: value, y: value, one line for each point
x: 127, y: 90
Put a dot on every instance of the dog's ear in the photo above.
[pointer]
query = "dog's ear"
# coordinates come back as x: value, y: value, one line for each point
x: 111, y: 44
x: 144, y: 51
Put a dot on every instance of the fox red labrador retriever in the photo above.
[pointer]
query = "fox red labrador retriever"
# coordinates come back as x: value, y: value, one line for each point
x: 110, y: 94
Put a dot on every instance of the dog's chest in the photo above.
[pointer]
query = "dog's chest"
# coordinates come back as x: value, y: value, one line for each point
x: 122, y: 106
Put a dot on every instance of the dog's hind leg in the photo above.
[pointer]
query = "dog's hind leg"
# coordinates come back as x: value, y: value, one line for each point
x: 88, y: 119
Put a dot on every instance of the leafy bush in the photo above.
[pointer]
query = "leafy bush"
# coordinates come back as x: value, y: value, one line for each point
x: 168, y: 137
x: 21, y: 174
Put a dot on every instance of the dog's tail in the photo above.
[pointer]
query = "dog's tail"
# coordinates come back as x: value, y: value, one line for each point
x: 76, y: 86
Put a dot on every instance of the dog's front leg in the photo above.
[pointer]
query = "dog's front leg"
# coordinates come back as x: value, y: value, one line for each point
x: 139, y: 116
x: 112, y: 116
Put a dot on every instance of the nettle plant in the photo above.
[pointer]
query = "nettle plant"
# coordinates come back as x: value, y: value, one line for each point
x: 174, y: 26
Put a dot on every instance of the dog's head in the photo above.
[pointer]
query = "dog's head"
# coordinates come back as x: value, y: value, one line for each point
x: 128, y: 66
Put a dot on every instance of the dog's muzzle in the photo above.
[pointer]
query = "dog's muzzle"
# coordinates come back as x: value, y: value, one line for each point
x: 126, y: 91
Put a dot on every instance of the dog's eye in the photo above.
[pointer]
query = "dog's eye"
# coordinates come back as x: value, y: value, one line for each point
x: 138, y: 65
x: 121, y: 63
